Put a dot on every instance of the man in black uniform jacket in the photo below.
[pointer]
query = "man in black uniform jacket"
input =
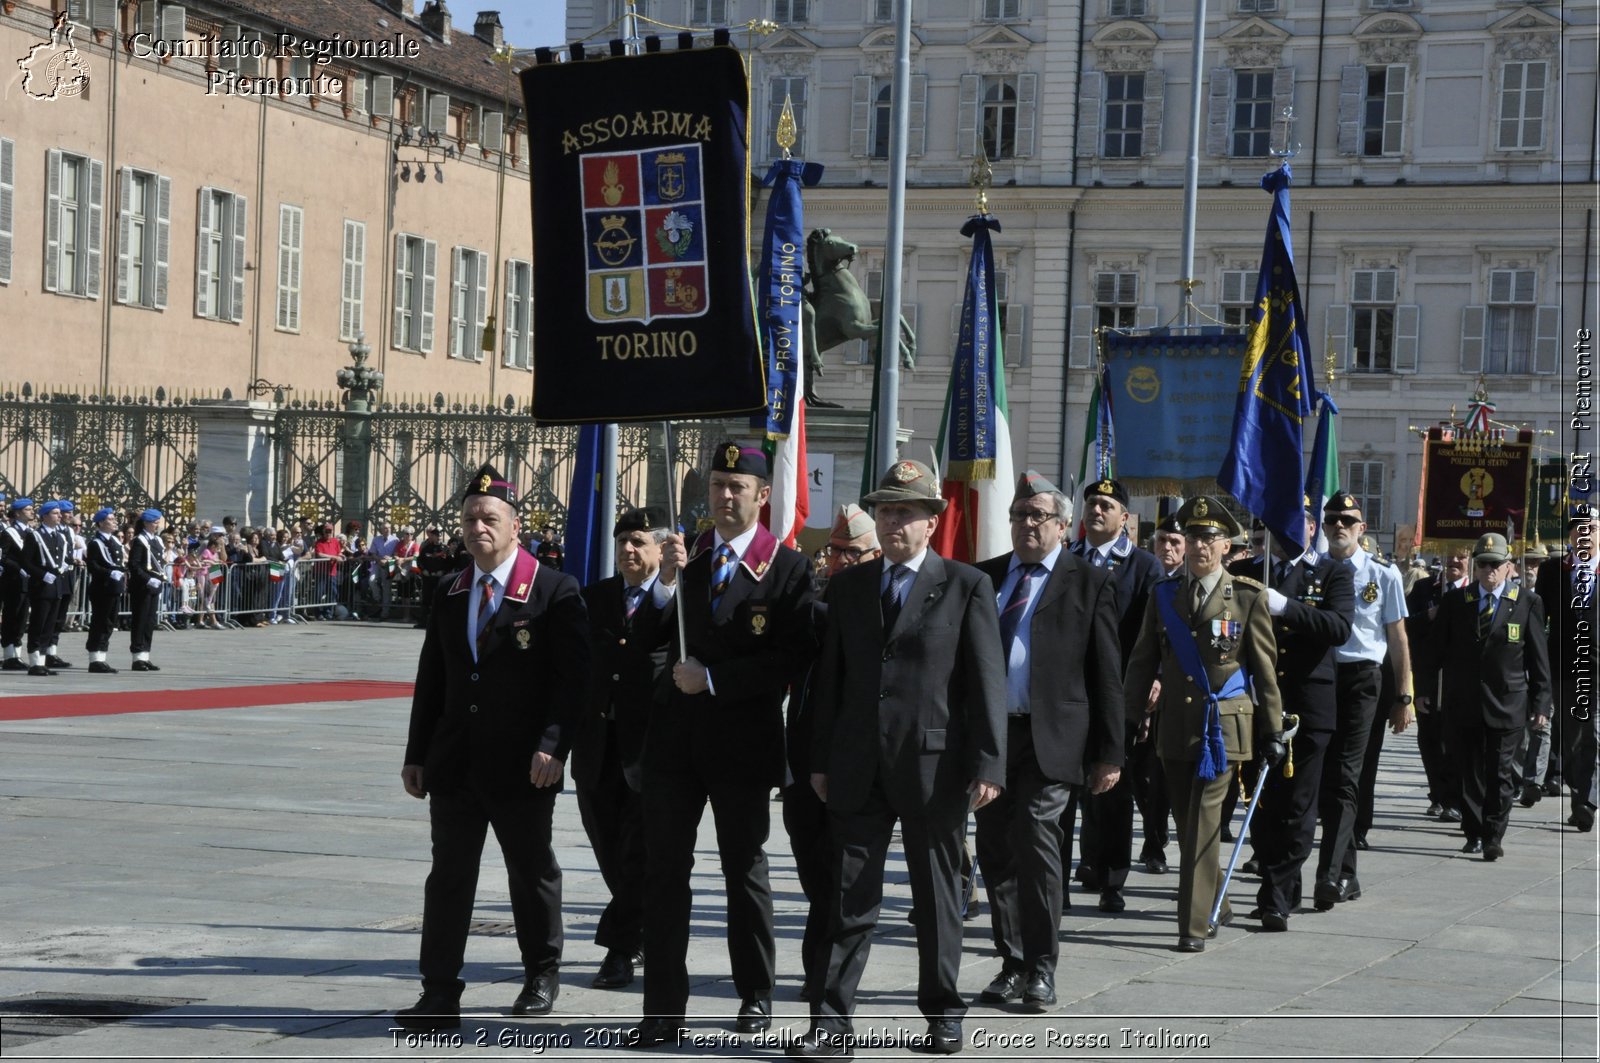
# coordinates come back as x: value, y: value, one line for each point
x: 1567, y: 592
x: 499, y: 685
x: 910, y: 725
x: 14, y: 584
x: 1422, y: 606
x: 46, y: 555
x: 1311, y: 600
x: 147, y: 574
x: 716, y: 735
x: 627, y: 657
x: 108, y: 574
x: 1058, y: 629
x: 1490, y: 640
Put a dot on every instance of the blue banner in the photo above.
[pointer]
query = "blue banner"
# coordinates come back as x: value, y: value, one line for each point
x: 581, y: 542
x: 973, y: 411
x: 779, y: 297
x: 1172, y: 397
x: 1265, y: 465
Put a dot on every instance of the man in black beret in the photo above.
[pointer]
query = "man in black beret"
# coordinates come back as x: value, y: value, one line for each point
x: 716, y: 735
x: 628, y: 654
x: 500, y: 681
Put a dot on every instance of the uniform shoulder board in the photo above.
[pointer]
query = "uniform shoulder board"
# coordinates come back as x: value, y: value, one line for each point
x: 1246, y: 581
x: 1385, y: 562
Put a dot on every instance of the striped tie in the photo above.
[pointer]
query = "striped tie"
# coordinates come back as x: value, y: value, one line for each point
x: 485, y: 609
x: 722, y: 569
x: 1017, y: 604
x: 1485, y: 615
x: 631, y: 600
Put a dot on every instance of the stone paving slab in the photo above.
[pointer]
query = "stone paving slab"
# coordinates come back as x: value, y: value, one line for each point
x: 263, y: 865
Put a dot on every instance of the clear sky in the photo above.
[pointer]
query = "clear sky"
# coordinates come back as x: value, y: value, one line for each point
x: 528, y: 23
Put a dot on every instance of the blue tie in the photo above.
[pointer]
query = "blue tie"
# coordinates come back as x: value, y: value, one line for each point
x: 631, y: 600
x: 1017, y: 604
x: 722, y: 569
x: 894, y: 595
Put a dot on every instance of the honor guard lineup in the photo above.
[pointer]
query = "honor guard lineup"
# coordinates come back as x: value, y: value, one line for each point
x: 900, y: 687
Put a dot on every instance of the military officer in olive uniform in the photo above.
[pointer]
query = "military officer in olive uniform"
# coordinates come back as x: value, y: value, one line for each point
x: 108, y: 575
x: 1208, y: 635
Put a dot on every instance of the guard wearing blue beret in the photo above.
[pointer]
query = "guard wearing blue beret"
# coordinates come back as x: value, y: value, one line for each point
x: 14, y: 583
x: 47, y: 557
x: 70, y: 521
x: 147, y: 576
x: 108, y: 578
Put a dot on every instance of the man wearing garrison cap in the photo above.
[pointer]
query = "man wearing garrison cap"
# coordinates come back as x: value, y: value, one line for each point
x: 14, y: 582
x: 715, y: 736
x: 910, y: 724
x: 1105, y: 847
x: 627, y: 656
x: 1208, y: 635
x: 500, y: 682
x: 47, y: 557
x: 1058, y: 630
x: 108, y: 575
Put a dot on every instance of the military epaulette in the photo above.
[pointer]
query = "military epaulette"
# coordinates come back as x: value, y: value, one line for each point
x: 1253, y: 584
x: 1381, y: 561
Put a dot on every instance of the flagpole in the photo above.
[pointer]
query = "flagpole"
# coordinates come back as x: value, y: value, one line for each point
x: 672, y: 525
x: 887, y: 448
x: 1191, y: 169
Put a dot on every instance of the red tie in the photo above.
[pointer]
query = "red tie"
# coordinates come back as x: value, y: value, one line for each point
x: 485, y: 610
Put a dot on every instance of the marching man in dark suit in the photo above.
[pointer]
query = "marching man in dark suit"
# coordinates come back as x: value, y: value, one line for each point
x: 627, y: 659
x: 1105, y: 845
x: 500, y: 682
x: 910, y: 724
x: 1311, y: 600
x: 1567, y: 592
x: 716, y: 735
x: 47, y: 557
x: 1208, y: 635
x: 147, y: 574
x: 1490, y: 641
x: 1058, y: 628
x: 14, y: 584
x: 108, y: 573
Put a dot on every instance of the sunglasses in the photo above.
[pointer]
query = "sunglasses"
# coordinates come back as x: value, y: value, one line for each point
x: 1345, y: 520
x: 1484, y: 562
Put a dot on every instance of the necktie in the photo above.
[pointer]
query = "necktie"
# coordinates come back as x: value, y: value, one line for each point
x: 485, y: 608
x: 1017, y: 604
x: 634, y: 596
x: 894, y: 595
x: 1485, y: 614
x: 1197, y: 598
x: 722, y: 569
x: 1280, y: 573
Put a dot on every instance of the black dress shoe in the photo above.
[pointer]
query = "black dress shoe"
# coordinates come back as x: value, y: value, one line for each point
x: 1473, y: 846
x: 755, y: 1015
x: 810, y: 992
x: 652, y: 1032
x: 1449, y: 815
x: 1349, y: 889
x: 53, y: 661
x: 1433, y: 809
x: 14, y: 664
x: 942, y: 1039
x: 538, y: 995
x: 1191, y: 944
x: 1251, y: 866
x: 1155, y: 865
x: 1360, y: 842
x: 41, y: 670
x: 101, y: 668
x: 1531, y: 793
x: 1111, y: 901
x: 1493, y: 851
x: 1583, y: 819
x: 1326, y: 894
x: 616, y: 970
x: 1274, y: 921
x: 432, y: 1011
x: 1552, y: 788
x: 1227, y: 835
x: 1225, y: 919
x: 144, y: 666
x: 1006, y: 987
x: 821, y: 1044
x: 1041, y: 991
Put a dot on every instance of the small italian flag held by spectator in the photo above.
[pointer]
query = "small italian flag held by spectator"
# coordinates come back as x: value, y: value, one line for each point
x: 216, y: 572
x: 275, y: 571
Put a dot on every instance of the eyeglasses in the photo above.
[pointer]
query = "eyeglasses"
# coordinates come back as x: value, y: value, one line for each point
x: 1484, y: 562
x: 1031, y: 517
x: 1344, y: 520
x: 1203, y: 538
x: 849, y: 553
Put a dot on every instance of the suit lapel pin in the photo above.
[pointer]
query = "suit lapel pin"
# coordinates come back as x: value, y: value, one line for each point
x: 523, y: 638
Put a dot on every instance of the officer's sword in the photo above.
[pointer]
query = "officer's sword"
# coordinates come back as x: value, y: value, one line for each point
x: 1292, y: 726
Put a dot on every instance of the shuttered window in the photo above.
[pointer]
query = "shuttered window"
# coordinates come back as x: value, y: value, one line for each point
x: 144, y: 238
x: 291, y: 236
x: 74, y: 205
x: 353, y: 281
x: 219, y: 256
x: 8, y: 209
x: 519, y: 314
x: 415, y: 263
x: 1522, y: 96
x: 469, y: 286
x: 1124, y: 116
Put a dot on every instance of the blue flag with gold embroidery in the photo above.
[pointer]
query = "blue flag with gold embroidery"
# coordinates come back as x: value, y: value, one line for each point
x: 1265, y: 467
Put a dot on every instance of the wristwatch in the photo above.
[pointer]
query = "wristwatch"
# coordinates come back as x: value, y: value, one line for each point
x: 1404, y: 699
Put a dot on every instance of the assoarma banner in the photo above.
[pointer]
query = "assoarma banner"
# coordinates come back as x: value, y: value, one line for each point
x: 1173, y: 399
x: 1472, y: 484
x: 643, y: 309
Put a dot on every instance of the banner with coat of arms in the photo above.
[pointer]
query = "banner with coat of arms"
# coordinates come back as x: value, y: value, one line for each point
x: 643, y: 307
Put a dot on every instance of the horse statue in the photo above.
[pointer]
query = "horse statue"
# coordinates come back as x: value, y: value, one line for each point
x: 836, y: 310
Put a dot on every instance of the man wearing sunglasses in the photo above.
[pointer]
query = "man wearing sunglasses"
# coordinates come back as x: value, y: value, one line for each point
x: 1378, y: 630
x: 1497, y: 681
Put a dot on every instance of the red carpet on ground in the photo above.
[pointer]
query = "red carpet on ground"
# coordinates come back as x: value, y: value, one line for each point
x: 112, y: 703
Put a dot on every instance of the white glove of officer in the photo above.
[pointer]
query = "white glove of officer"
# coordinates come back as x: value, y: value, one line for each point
x: 116, y: 575
x: 152, y: 583
x: 1276, y: 602
x: 49, y: 578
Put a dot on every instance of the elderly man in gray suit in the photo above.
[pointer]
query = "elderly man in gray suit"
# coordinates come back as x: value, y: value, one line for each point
x: 1058, y: 628
x: 910, y: 725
